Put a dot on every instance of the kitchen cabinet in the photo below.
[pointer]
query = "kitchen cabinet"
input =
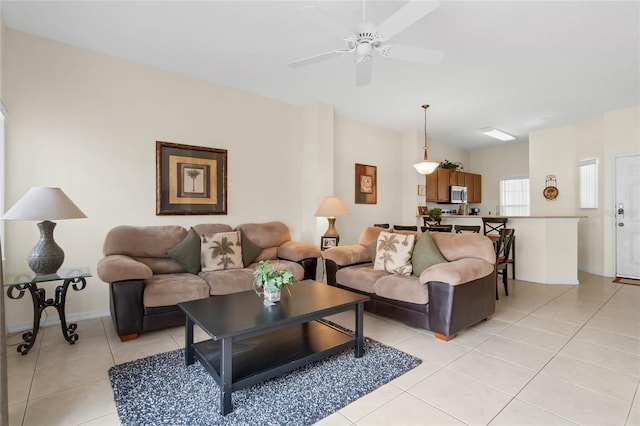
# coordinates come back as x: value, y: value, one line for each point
x: 437, y: 185
x: 443, y: 184
x: 473, y: 182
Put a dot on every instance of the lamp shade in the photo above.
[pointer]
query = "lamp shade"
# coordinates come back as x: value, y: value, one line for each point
x: 426, y: 167
x: 42, y: 203
x: 331, y: 207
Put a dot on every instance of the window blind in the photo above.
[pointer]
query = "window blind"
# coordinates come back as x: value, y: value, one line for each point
x: 588, y: 170
x: 514, y: 196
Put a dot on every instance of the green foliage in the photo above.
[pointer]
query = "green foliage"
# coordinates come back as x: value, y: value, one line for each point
x: 435, y: 213
x: 270, y: 278
x: 446, y: 164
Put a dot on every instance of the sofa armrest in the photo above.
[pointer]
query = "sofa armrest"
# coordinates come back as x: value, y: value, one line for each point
x: 347, y: 255
x: 455, y: 307
x: 457, y: 272
x: 118, y: 267
x: 297, y: 251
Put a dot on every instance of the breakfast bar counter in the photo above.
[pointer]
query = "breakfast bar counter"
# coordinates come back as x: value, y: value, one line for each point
x: 546, y: 249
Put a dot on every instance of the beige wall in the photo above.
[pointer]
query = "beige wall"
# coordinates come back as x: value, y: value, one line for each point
x: 603, y: 137
x: 495, y: 163
x: 88, y: 123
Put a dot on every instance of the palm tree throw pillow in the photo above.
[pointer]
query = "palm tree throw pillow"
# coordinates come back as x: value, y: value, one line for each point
x: 221, y: 251
x: 393, y: 253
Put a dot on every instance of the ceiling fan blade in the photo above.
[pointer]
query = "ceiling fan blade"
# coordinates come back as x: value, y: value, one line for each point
x: 414, y: 54
x: 322, y: 18
x: 363, y: 71
x: 317, y: 58
x: 406, y: 16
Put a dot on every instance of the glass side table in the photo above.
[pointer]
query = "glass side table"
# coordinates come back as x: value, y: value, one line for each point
x: 18, y: 284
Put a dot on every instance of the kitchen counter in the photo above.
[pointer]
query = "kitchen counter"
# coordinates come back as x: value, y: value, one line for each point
x: 546, y: 249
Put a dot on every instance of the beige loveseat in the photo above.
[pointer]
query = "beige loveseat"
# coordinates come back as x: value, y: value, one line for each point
x: 147, y: 268
x: 443, y: 297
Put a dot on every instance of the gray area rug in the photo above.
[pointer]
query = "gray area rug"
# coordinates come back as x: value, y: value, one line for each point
x: 161, y: 390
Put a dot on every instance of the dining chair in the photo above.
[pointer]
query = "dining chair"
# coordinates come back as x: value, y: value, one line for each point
x: 381, y: 225
x: 437, y: 228
x: 504, y: 245
x: 491, y: 226
x: 467, y: 228
x: 405, y: 228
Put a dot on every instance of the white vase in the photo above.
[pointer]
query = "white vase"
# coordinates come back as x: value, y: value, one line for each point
x: 272, y: 296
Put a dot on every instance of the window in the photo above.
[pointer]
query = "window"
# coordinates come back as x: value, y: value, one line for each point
x: 514, y: 196
x: 588, y: 170
x: 3, y: 117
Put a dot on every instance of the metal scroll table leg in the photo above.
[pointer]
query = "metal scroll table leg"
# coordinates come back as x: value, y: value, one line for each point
x: 68, y: 331
x: 37, y: 298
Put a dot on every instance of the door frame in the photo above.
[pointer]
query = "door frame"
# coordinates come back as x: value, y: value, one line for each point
x: 614, y: 192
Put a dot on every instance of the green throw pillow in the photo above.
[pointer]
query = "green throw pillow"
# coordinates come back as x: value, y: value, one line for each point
x: 187, y: 252
x: 371, y: 249
x: 250, y: 250
x: 425, y: 254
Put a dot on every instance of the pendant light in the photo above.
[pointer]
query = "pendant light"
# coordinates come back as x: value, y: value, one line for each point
x: 425, y: 167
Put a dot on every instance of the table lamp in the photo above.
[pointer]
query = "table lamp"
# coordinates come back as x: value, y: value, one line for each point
x: 331, y: 207
x: 45, y: 204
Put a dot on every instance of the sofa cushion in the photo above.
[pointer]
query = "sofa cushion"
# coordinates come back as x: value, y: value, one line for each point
x: 369, y: 234
x: 170, y: 289
x: 235, y: 280
x: 393, y: 253
x: 404, y: 289
x: 142, y: 241
x: 250, y: 250
x: 268, y: 236
x: 459, y: 246
x: 360, y: 277
x: 457, y: 272
x: 228, y: 281
x: 187, y: 252
x: 425, y: 254
x: 221, y: 251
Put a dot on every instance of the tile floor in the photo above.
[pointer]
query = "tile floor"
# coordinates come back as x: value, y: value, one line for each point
x: 550, y: 355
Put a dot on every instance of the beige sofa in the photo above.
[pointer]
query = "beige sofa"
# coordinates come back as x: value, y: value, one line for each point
x: 146, y: 282
x: 444, y: 297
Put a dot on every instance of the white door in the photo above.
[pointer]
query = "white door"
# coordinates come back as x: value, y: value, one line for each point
x: 627, y: 216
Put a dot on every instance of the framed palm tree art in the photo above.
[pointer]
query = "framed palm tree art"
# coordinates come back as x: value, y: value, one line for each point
x: 190, y: 179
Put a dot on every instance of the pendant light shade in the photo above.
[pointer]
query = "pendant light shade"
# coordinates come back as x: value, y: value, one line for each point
x: 425, y: 167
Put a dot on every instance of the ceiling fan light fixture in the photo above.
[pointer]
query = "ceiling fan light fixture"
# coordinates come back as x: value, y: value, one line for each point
x: 498, y: 134
x: 426, y: 167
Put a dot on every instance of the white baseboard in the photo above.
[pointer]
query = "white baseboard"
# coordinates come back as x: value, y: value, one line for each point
x: 55, y: 320
x: 594, y: 272
x: 537, y: 280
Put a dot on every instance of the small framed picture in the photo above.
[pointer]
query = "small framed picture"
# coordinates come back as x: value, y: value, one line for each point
x: 328, y: 242
x: 422, y: 190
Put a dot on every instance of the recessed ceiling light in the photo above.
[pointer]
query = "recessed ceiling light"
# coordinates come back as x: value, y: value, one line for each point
x: 498, y: 134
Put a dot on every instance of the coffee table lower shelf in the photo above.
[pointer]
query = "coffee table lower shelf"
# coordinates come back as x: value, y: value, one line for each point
x: 262, y: 357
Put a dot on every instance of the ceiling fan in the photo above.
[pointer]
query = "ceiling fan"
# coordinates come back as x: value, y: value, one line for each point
x: 369, y: 38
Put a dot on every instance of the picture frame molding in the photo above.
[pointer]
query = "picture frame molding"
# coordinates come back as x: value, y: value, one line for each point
x: 205, y: 168
x: 327, y: 242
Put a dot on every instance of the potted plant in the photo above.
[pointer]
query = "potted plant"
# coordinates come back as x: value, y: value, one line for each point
x: 435, y: 214
x: 446, y: 164
x: 272, y: 280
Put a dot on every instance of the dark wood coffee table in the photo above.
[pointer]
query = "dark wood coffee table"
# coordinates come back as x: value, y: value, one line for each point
x: 251, y: 343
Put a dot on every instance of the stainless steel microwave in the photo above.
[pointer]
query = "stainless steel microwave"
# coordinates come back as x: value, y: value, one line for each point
x: 457, y: 194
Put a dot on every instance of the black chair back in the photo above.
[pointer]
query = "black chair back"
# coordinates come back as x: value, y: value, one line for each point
x: 491, y: 226
x: 381, y: 225
x: 405, y: 228
x: 467, y: 228
x: 504, y: 244
x: 438, y: 228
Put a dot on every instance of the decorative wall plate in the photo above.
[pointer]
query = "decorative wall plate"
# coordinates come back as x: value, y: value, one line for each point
x: 550, y: 192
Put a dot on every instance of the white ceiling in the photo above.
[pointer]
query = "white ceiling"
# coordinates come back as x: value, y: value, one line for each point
x: 514, y: 65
